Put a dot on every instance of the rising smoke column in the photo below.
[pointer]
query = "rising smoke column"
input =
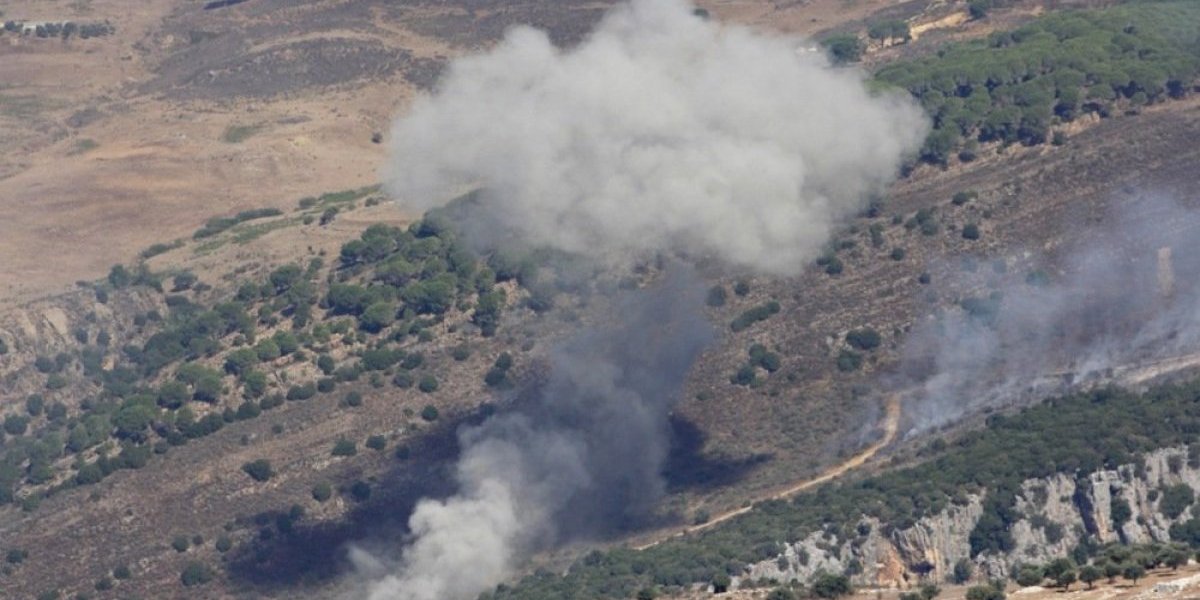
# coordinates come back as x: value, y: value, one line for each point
x: 581, y: 457
x: 661, y: 132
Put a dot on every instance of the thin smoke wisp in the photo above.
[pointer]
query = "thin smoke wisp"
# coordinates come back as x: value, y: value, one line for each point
x: 1125, y: 297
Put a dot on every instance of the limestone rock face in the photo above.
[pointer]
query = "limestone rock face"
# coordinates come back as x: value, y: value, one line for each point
x: 1057, y: 512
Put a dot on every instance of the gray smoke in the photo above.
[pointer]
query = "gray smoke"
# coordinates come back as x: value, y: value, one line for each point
x: 580, y: 456
x: 660, y: 133
x: 661, y: 130
x: 1127, y: 296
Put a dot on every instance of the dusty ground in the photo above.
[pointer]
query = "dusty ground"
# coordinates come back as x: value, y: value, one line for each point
x: 157, y: 100
x: 110, y: 144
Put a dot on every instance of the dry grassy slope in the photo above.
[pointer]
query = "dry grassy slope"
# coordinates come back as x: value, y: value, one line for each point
x: 1040, y: 200
x: 160, y: 169
x: 199, y: 488
x: 110, y: 144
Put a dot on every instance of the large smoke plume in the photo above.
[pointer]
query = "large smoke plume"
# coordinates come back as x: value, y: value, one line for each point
x: 580, y: 457
x: 661, y: 132
x: 1125, y: 296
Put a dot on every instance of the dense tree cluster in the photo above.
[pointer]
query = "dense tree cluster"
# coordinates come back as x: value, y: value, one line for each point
x: 1015, y: 85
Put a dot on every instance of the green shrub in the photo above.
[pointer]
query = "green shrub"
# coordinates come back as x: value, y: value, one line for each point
x: 377, y: 316
x: 360, y: 491
x: 429, y: 413
x: 35, y: 405
x: 829, y: 585
x: 496, y: 378
x: 195, y: 573
x: 864, y: 339
x: 428, y: 383
x: 377, y: 442
x: 56, y: 381
x: 267, y: 350
x: 326, y: 364
x: 849, y: 360
x: 1176, y: 499
x: 754, y: 315
x: 16, y: 424
x: 301, y: 392
x: 744, y: 376
x: 402, y: 380
x: 1119, y: 511
x: 259, y: 470
x: 961, y: 198
x: 180, y: 543
x: 963, y: 569
x: 344, y: 447
x: 843, y: 48
x: 322, y: 492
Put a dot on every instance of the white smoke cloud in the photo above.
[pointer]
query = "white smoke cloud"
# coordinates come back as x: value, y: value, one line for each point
x: 660, y: 131
x: 468, y: 542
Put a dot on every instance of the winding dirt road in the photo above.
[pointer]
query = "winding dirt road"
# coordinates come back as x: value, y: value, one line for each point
x: 891, y: 425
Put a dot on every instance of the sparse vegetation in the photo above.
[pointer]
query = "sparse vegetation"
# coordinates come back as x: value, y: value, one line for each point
x: 844, y: 48
x: 322, y: 492
x: 217, y: 225
x: 864, y: 339
x: 195, y: 573
x: 754, y: 315
x: 429, y: 413
x: 344, y: 447
x: 236, y: 134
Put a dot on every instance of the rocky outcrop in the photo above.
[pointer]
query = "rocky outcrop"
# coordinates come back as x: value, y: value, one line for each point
x: 59, y: 324
x: 1057, y: 513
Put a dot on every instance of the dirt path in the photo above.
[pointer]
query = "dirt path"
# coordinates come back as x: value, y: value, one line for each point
x: 891, y: 425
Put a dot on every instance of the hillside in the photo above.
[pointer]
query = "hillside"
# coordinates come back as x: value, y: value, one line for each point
x: 247, y: 357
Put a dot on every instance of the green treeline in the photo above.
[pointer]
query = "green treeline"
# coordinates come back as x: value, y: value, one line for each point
x: 1073, y: 435
x: 1014, y: 86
